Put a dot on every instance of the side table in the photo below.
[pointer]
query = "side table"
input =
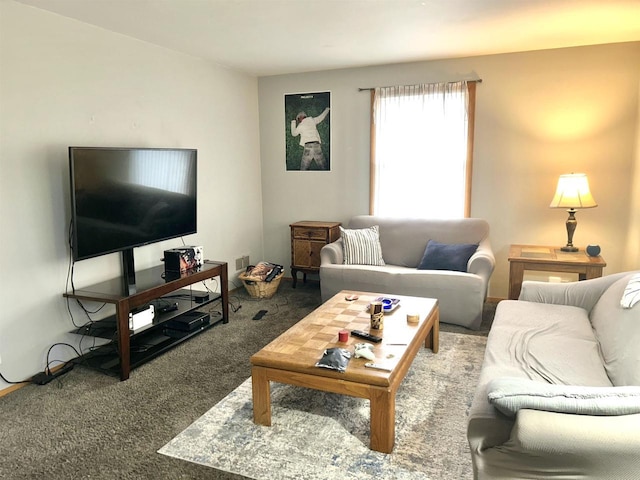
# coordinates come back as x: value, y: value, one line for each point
x: 307, y: 239
x: 549, y: 259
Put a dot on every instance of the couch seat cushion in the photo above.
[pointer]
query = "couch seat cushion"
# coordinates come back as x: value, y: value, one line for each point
x: 550, y: 343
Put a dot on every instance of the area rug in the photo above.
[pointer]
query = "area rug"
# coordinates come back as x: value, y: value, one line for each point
x: 324, y: 436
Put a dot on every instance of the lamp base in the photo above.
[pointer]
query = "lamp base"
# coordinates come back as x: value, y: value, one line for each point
x: 571, y: 227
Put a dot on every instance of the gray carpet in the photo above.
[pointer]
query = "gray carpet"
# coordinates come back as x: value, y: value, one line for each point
x: 89, y: 425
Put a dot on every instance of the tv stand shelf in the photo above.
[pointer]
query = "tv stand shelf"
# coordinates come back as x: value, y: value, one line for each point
x: 128, y: 350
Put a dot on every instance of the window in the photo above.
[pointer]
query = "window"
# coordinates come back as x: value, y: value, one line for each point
x: 421, y: 146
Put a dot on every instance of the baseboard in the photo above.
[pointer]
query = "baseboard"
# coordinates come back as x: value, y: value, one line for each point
x: 12, y: 388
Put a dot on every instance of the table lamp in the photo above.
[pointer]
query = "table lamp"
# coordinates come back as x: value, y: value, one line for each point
x: 572, y: 192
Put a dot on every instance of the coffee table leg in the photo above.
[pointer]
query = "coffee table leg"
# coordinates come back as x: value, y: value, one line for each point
x: 383, y: 420
x: 432, y: 340
x: 261, y: 396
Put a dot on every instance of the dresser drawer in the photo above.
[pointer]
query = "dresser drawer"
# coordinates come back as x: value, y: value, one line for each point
x: 307, y: 233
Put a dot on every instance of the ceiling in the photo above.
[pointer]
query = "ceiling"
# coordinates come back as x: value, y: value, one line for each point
x: 272, y: 37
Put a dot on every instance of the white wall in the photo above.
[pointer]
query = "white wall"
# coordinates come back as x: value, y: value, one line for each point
x: 632, y: 253
x: 539, y: 114
x: 66, y: 83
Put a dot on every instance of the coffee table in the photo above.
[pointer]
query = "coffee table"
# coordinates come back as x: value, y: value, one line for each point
x: 291, y: 358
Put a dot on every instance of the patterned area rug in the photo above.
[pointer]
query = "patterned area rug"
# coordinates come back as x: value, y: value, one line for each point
x: 323, y: 436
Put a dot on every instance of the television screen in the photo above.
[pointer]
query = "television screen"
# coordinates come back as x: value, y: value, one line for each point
x: 127, y: 197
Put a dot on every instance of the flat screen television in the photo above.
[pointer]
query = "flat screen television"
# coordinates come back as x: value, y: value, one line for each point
x: 122, y: 198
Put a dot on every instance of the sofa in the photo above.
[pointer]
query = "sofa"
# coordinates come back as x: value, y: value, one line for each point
x: 461, y: 293
x: 558, y: 395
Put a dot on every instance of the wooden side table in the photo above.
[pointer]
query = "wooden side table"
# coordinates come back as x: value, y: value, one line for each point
x: 549, y: 259
x: 307, y: 239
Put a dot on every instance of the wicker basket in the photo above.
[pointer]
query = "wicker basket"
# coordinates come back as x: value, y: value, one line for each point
x: 258, y: 288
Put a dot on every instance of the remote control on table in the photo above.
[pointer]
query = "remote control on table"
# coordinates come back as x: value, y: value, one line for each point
x: 366, y: 336
x: 377, y: 366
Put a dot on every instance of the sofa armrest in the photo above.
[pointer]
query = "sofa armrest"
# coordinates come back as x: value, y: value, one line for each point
x: 559, y: 445
x: 482, y: 262
x: 604, y: 438
x: 332, y: 253
x: 584, y: 294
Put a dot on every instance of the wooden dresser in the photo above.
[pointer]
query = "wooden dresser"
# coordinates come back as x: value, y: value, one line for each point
x: 307, y: 239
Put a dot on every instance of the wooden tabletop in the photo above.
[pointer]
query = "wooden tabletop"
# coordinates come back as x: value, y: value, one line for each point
x: 552, y: 255
x: 549, y: 259
x: 300, y: 347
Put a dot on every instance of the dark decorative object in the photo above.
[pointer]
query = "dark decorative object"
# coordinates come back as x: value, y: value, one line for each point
x: 593, y: 250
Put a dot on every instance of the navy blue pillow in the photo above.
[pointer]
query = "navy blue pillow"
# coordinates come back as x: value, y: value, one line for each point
x: 447, y: 256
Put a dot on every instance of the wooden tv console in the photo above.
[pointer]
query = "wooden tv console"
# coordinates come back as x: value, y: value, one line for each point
x: 128, y: 350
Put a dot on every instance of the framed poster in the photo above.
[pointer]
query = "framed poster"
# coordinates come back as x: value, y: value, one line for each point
x: 308, y: 131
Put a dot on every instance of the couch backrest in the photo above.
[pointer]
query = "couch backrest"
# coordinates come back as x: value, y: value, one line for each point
x: 618, y: 332
x: 403, y: 240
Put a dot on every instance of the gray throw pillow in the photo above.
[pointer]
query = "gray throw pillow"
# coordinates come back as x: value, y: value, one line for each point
x: 362, y: 246
x: 447, y: 256
x: 510, y: 394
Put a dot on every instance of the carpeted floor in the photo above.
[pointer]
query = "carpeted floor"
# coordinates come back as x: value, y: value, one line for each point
x: 89, y: 425
x: 325, y: 436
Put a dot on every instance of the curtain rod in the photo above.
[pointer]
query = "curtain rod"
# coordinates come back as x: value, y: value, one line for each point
x: 477, y: 80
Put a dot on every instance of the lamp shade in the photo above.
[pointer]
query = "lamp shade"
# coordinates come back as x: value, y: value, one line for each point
x: 573, y: 192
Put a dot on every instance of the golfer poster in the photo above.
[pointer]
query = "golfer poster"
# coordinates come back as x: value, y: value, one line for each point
x: 308, y: 131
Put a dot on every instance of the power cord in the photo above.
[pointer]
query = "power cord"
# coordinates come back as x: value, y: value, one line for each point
x: 47, y: 375
x: 13, y: 383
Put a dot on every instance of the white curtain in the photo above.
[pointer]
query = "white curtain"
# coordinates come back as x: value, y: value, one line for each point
x: 420, y: 150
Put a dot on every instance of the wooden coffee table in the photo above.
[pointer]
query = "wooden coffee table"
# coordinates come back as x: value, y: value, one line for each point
x: 291, y: 357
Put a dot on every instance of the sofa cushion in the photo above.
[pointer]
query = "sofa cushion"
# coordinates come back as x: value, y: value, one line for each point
x: 447, y: 256
x: 618, y: 332
x: 509, y: 394
x: 362, y: 246
x: 535, y: 340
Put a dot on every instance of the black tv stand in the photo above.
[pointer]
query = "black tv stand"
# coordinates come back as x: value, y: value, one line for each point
x: 128, y: 350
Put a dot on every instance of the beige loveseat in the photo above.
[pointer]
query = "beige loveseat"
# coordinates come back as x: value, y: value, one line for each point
x: 559, y: 390
x: 460, y: 294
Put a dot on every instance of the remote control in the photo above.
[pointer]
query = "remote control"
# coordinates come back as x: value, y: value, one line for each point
x: 366, y: 336
x: 275, y: 271
x: 260, y: 314
x: 377, y: 366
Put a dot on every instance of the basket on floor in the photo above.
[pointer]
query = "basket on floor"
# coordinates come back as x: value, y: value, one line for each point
x: 258, y: 288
